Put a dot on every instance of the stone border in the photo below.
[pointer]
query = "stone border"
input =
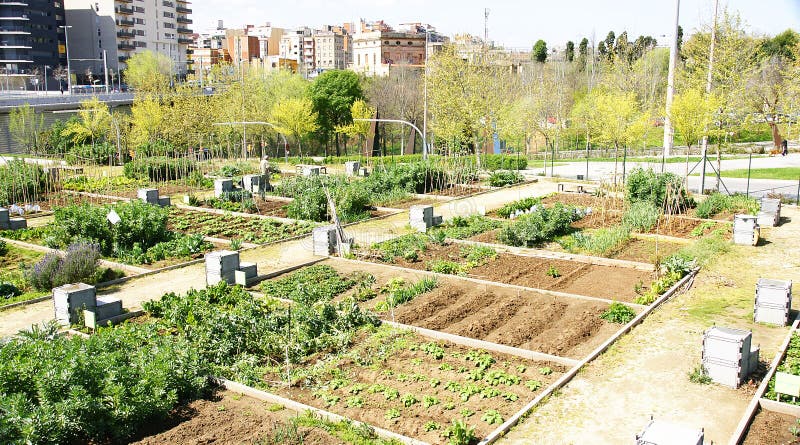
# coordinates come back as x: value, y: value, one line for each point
x: 299, y: 407
x: 548, y: 254
x: 482, y: 344
x: 505, y: 427
x: 25, y: 303
x: 549, y: 293
x: 757, y: 400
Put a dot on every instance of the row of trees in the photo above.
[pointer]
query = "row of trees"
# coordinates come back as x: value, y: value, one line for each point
x: 609, y: 96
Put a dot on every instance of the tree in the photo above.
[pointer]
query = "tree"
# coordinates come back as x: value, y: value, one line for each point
x: 359, y: 129
x: 583, y: 53
x: 148, y: 123
x: 25, y: 126
x: 149, y: 72
x: 94, y: 122
x: 540, y: 51
x: 692, y: 115
x: 569, y: 52
x: 332, y: 94
x: 782, y: 45
x: 295, y: 117
x: 609, y: 43
x: 399, y: 96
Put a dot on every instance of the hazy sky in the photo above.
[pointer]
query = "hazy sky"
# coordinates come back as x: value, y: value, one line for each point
x: 514, y: 24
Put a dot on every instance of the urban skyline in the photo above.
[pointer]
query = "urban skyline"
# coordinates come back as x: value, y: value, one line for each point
x: 505, y: 24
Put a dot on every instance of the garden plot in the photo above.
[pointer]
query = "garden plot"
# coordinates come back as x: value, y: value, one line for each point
x: 14, y: 285
x: 228, y: 418
x: 232, y: 227
x: 769, y: 427
x: 418, y: 252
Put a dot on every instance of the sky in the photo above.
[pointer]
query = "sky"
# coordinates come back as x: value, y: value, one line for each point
x: 513, y: 24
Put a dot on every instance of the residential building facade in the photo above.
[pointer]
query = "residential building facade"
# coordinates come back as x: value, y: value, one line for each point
x: 31, y: 36
x: 122, y: 28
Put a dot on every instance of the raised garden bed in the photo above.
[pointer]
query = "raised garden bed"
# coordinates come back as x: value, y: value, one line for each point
x: 612, y: 283
x: 769, y: 427
x: 230, y: 227
x: 228, y: 418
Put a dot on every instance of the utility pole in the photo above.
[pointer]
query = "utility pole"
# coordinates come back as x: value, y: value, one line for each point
x: 105, y: 69
x: 424, y: 94
x: 708, y: 92
x: 66, y: 47
x: 485, y: 33
x: 673, y: 61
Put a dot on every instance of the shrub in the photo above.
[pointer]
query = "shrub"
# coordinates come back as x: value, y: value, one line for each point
x: 445, y: 267
x: 602, y: 242
x: 405, y: 246
x: 717, y: 203
x: 79, y: 264
x: 459, y: 433
x: 465, y: 227
x: 539, y: 226
x: 649, y: 186
x: 503, y: 162
x: 504, y: 178
x: 522, y: 205
x: 8, y: 290
x: 159, y: 168
x: 100, y: 153
x: 641, y: 216
x: 3, y: 248
x: 618, y: 313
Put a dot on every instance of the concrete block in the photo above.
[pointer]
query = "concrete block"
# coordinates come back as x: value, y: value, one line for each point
x: 149, y: 196
x: 726, y: 355
x: 4, y: 215
x: 213, y: 278
x: 324, y: 240
x: 771, y: 205
x: 774, y: 292
x: 249, y: 269
x: 664, y: 433
x: 222, y: 261
x: 310, y: 170
x: 222, y: 186
x: 253, y: 183
x: 352, y: 168
x: 107, y: 307
x: 744, y: 223
x: 164, y: 202
x: 17, y: 223
x: 70, y: 299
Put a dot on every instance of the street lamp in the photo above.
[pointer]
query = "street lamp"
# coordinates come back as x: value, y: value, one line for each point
x: 425, y: 93
x: 398, y: 121
x: 66, y: 46
x: 45, y: 78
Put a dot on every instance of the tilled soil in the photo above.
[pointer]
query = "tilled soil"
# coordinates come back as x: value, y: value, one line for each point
x: 597, y: 203
x: 772, y: 428
x: 613, y: 283
x: 409, y: 370
x: 646, y: 250
x: 557, y: 326
x: 228, y: 419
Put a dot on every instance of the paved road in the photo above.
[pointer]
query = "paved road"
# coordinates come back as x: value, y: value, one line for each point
x: 598, y: 170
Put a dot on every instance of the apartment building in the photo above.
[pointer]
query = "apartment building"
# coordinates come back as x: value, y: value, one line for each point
x: 121, y: 28
x: 31, y: 36
x: 378, y: 47
x: 330, y: 51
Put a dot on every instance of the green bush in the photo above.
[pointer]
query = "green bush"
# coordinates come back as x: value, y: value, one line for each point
x: 465, y: 227
x: 602, y: 242
x: 649, y: 186
x: 641, y: 216
x: 446, y: 267
x: 3, y: 248
x: 539, y: 226
x: 736, y: 203
x: 312, y: 284
x: 504, y: 178
x: 100, y: 389
x: 101, y: 184
x: 160, y: 168
x: 523, y: 205
x: 21, y: 182
x: 78, y: 265
x: 503, y: 162
x: 405, y: 246
x: 141, y: 225
x: 618, y: 313
x: 101, y: 153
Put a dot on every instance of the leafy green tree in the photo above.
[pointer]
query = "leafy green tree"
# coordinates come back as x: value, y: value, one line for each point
x: 93, y: 123
x: 583, y: 53
x: 149, y: 72
x: 332, y: 94
x: 569, y: 52
x: 692, y: 115
x: 295, y: 117
x: 783, y: 45
x: 359, y: 129
x: 540, y: 51
x: 25, y: 126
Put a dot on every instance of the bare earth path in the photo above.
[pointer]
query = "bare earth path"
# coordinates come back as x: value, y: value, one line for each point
x: 269, y: 258
x: 646, y: 372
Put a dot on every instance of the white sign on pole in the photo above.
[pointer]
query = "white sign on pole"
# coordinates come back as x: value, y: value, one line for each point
x: 113, y: 217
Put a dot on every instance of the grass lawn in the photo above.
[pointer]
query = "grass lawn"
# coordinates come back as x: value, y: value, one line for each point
x: 789, y: 173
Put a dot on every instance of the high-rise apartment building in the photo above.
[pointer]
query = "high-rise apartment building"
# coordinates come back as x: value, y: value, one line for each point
x: 31, y: 36
x: 121, y: 28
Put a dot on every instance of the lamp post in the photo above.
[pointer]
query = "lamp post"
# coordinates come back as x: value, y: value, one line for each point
x: 425, y: 91
x: 45, y: 79
x: 398, y: 121
x: 66, y: 46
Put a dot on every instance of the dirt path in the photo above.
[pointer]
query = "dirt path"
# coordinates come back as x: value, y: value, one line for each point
x: 270, y: 258
x: 646, y: 373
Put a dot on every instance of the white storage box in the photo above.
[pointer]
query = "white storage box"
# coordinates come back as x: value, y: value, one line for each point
x: 665, y: 433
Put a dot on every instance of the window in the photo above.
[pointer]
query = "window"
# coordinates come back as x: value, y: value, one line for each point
x: 138, y: 9
x: 397, y: 42
x: 410, y: 43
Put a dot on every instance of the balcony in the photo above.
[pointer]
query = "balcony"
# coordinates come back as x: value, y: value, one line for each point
x: 168, y: 4
x: 123, y: 59
x: 185, y: 41
x: 125, y: 1
x: 126, y: 47
x: 20, y: 30
x: 184, y: 31
x: 123, y: 34
x: 184, y: 20
x: 183, y: 10
x: 125, y: 22
x: 12, y: 3
x: 123, y: 10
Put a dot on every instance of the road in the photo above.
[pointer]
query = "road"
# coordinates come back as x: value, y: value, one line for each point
x: 758, y: 187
